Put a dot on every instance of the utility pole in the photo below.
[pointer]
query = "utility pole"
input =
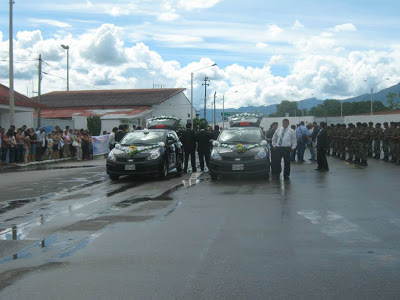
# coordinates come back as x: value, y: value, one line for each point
x: 11, y: 67
x: 205, y: 96
x: 39, y: 88
x: 215, y: 95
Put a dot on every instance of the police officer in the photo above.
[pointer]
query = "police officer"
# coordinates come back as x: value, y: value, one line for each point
x: 203, y: 146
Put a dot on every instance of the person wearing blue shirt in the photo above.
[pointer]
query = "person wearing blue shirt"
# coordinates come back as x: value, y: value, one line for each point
x: 302, y: 135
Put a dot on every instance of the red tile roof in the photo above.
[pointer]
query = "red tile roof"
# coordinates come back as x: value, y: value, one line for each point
x: 131, y: 97
x: 19, y: 99
x: 60, y: 113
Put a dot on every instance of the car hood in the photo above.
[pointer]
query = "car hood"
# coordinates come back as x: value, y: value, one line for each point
x: 145, y: 151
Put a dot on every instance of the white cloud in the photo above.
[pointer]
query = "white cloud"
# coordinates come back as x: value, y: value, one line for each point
x: 197, y: 4
x: 262, y: 45
x: 348, y: 27
x: 275, y: 59
x: 119, y: 11
x: 274, y: 31
x: 297, y: 25
x: 168, y: 17
x: 50, y: 22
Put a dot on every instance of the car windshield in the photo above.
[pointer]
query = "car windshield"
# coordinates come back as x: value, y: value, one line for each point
x: 234, y: 136
x: 142, y: 138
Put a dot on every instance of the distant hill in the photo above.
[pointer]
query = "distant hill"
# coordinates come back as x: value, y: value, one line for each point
x: 306, y: 103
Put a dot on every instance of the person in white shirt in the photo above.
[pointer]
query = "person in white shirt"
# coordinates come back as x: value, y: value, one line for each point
x: 111, y: 139
x: 284, y: 141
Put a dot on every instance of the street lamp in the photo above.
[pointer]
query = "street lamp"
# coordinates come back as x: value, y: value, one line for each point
x: 223, y: 108
x: 372, y: 89
x: 191, y: 88
x: 66, y: 47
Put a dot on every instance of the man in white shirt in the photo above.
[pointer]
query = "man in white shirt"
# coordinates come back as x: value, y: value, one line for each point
x: 111, y: 139
x: 284, y: 141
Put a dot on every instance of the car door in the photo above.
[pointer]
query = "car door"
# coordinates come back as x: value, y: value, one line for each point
x: 172, y: 149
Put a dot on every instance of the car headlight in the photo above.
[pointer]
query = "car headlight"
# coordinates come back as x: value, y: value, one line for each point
x: 111, y: 156
x: 154, y: 155
x: 215, y: 155
x: 261, y: 154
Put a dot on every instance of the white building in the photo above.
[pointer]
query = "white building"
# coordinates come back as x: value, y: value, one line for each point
x: 24, y: 108
x: 115, y: 107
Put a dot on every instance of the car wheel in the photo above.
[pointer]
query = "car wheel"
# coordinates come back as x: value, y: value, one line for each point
x: 113, y: 177
x: 213, y: 176
x: 164, y: 172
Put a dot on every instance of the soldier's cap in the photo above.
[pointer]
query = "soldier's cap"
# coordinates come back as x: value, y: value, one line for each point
x: 338, y: 124
x: 371, y: 123
x: 365, y: 124
x: 386, y: 123
x: 344, y: 125
x: 358, y: 124
x: 378, y: 124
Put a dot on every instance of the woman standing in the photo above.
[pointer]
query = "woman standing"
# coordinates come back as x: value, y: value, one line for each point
x: 27, y: 146
x: 20, y: 146
x: 33, y: 142
x: 12, y: 143
x: 78, y: 140
x: 4, y: 146
x: 56, y: 140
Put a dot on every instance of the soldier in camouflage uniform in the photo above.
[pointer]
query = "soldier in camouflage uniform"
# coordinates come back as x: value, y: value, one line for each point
x: 385, y: 141
x: 342, y: 142
x: 370, y: 142
x: 392, y: 132
x: 364, y: 139
x: 335, y: 142
x: 377, y: 137
x: 356, y: 143
x: 396, y: 141
x: 350, y: 142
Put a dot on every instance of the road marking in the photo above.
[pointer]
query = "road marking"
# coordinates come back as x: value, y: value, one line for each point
x: 336, y: 226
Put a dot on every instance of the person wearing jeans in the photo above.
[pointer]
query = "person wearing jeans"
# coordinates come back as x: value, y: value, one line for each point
x: 302, y: 136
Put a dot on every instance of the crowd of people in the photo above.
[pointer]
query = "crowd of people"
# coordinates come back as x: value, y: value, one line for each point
x: 25, y: 145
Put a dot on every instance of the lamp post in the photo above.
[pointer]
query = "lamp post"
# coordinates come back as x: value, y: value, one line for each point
x: 223, y: 108
x: 372, y: 89
x: 66, y: 47
x: 191, y: 88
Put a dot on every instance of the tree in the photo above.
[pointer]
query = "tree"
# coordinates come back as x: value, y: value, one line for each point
x: 94, y: 124
x: 390, y: 100
x: 285, y: 107
x: 197, y: 122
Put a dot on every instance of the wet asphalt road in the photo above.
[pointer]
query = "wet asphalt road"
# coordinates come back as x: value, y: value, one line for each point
x: 317, y: 235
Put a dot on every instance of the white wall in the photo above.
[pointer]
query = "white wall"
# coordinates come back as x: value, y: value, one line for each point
x: 79, y: 122
x: 374, y: 118
x: 177, y: 106
x: 22, y: 116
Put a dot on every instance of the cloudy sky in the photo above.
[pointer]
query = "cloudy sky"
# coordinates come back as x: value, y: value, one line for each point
x: 265, y: 50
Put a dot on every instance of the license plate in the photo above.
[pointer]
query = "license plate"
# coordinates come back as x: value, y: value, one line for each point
x: 130, y: 167
x: 238, y: 167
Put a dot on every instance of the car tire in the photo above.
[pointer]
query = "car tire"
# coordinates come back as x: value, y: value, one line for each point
x: 164, y: 172
x: 113, y: 177
x: 213, y: 176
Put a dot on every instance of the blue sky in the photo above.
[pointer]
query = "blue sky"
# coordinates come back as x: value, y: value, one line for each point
x: 266, y: 50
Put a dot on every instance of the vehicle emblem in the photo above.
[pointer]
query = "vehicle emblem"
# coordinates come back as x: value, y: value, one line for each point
x: 130, y: 160
x: 237, y: 159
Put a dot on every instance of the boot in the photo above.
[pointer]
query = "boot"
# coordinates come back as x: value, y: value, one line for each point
x: 394, y: 160
x: 356, y: 161
x: 364, y: 163
x: 386, y: 158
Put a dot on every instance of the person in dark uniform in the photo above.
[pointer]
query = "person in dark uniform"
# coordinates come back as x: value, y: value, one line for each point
x: 188, y: 140
x: 216, y: 132
x: 322, y: 145
x: 203, y: 146
x: 119, y: 134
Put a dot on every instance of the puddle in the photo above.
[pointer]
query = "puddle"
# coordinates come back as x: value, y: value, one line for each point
x: 123, y: 188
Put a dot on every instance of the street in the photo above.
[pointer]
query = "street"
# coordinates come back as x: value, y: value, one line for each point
x: 68, y: 232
